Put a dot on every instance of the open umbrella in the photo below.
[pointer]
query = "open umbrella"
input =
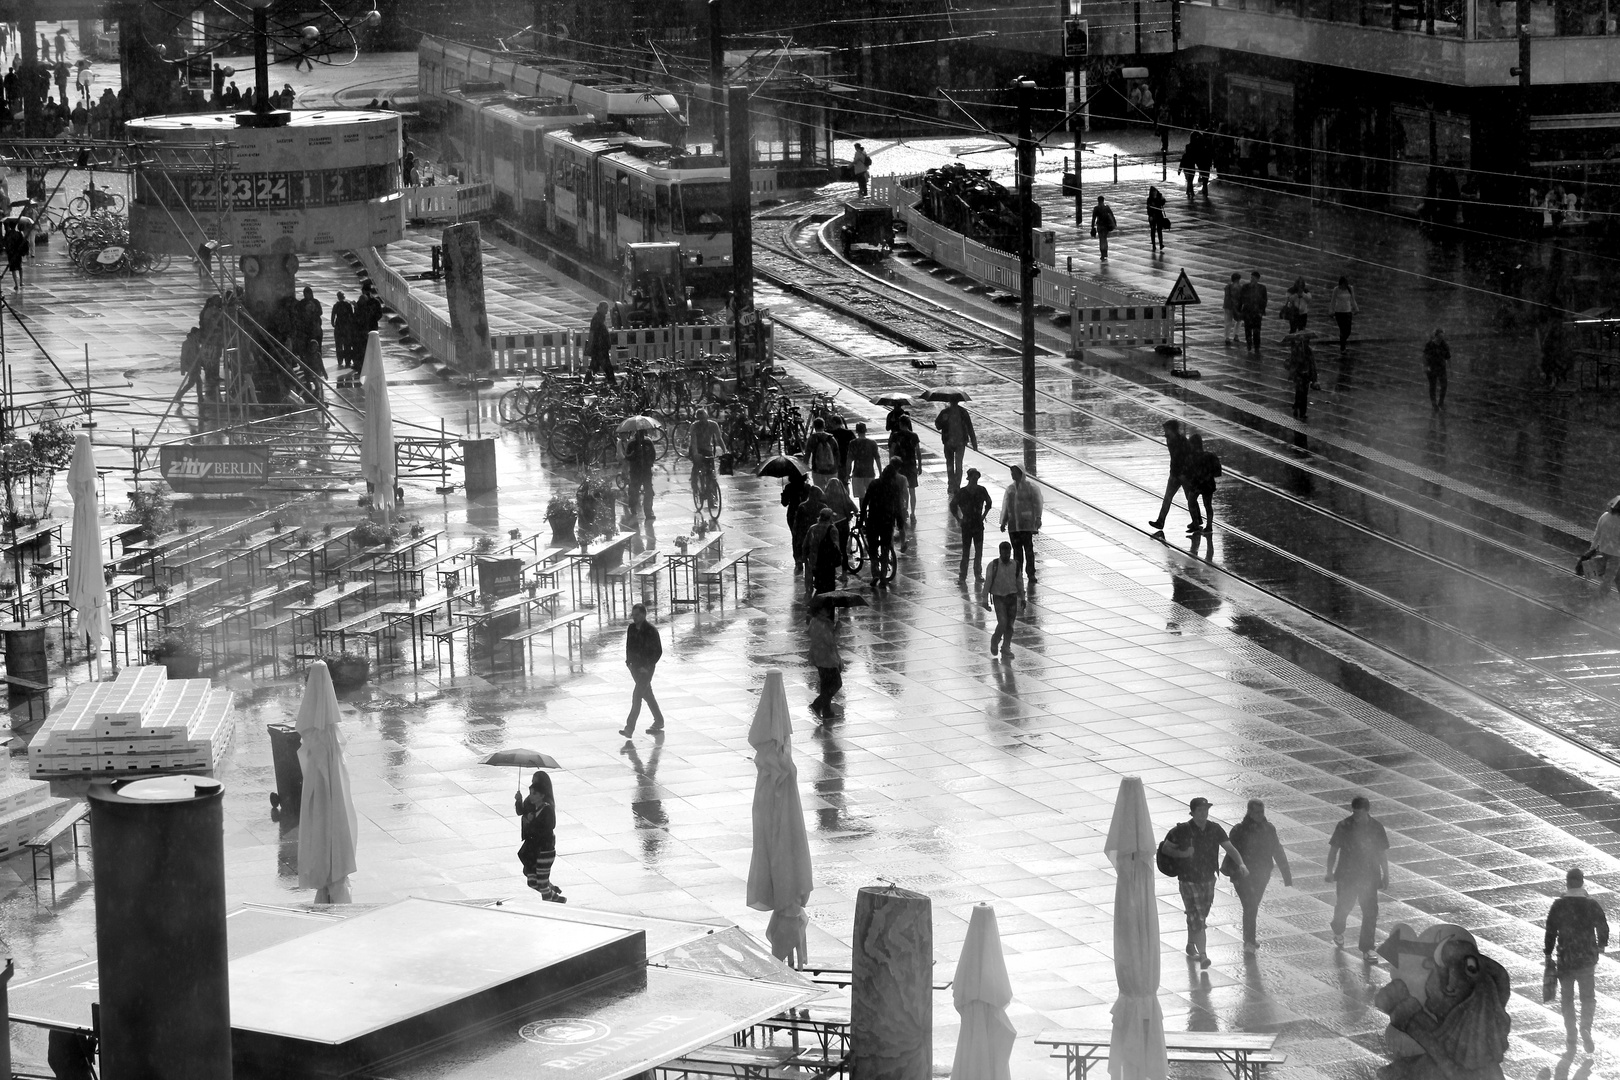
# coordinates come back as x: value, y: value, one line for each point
x: 893, y: 398
x: 521, y: 758
x: 633, y: 424
x: 377, y: 436
x: 1137, y: 1049
x: 87, y: 584
x: 782, y: 467
x: 779, y: 879
x: 982, y: 993
x: 327, y: 824
x: 946, y: 393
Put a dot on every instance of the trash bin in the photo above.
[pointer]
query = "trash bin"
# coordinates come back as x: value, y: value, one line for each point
x: 284, y: 744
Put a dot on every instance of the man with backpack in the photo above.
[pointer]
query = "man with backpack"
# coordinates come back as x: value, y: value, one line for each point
x: 821, y: 451
x: 1191, y: 853
x: 1102, y: 223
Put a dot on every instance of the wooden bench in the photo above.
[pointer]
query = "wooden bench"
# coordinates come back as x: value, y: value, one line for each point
x: 1243, y: 1054
x: 41, y: 842
x: 715, y: 573
x: 34, y: 691
x: 572, y: 622
x: 620, y: 576
x: 372, y: 623
x: 748, y: 1062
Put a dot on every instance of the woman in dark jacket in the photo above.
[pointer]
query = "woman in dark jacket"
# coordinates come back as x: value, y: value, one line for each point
x: 538, y: 813
x: 793, y: 493
x: 1176, y: 443
x: 599, y: 347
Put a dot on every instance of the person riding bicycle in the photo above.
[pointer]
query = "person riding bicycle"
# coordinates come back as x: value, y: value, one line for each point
x: 706, y: 445
x: 639, y: 457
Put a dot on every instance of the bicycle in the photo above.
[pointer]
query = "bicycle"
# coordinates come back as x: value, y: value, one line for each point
x: 882, y: 554
x: 706, y: 498
x: 855, y: 546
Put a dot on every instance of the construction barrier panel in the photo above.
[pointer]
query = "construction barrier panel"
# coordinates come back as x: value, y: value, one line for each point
x: 1099, y: 314
x: 566, y: 349
x: 449, y: 202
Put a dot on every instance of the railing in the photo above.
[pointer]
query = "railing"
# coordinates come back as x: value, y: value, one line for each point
x: 449, y: 202
x: 430, y: 328
x: 986, y: 265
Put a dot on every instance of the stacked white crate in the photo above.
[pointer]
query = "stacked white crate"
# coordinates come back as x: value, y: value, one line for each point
x: 26, y: 807
x: 140, y: 723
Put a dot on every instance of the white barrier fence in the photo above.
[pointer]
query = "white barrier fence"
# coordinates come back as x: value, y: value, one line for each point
x: 562, y: 349
x: 1098, y: 314
x: 449, y: 202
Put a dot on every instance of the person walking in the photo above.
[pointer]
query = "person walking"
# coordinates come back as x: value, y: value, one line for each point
x: 1229, y: 306
x: 805, y: 516
x: 314, y: 338
x: 61, y: 45
x: 642, y: 650
x: 16, y: 250
x: 821, y: 451
x: 1102, y: 223
x: 1004, y: 594
x: 1297, y: 307
x: 1175, y: 442
x: 883, y: 508
x: 1200, y: 472
x: 538, y: 813
x: 86, y: 80
x: 1605, y: 545
x: 824, y: 657
x: 955, y: 427
x: 599, y: 344
x: 1196, y: 845
x: 1302, y: 370
x: 1579, y: 930
x: 970, y: 506
x: 1256, y: 840
x: 1156, y: 216
x: 1021, y: 519
x: 1436, y: 359
x: 822, y: 557
x: 1252, y: 299
x: 342, y: 320
x: 864, y: 461
x: 1344, y: 306
x: 906, y: 448
x: 1358, y: 864
x: 367, y: 314
x: 861, y: 168
x: 639, y: 456
x: 1187, y: 167
x: 843, y: 436
x: 836, y: 497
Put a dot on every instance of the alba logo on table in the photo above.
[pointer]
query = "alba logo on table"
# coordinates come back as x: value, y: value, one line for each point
x: 215, y: 469
x: 564, y: 1032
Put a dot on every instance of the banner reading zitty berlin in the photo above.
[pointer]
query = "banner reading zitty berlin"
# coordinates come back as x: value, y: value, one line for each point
x: 464, y: 289
x: 213, y: 470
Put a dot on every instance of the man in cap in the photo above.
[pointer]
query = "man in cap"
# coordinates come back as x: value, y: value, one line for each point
x: 1197, y: 844
x: 1257, y: 839
x: 1359, y: 864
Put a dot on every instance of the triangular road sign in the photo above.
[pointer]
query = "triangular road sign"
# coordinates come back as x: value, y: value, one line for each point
x: 1183, y: 293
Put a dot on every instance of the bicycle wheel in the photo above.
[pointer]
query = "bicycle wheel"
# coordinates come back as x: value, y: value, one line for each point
x: 513, y: 406
x: 568, y: 441
x: 682, y: 437
x: 855, y: 556
x: 716, y: 501
x: 79, y: 205
x: 883, y: 561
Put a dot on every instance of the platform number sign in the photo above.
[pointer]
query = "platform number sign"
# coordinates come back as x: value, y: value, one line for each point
x: 1074, y: 37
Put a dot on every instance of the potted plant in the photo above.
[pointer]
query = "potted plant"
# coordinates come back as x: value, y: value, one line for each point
x: 561, y: 514
x: 418, y: 529
x: 594, y: 501
x: 277, y: 524
x: 371, y: 534
x: 162, y: 590
x: 327, y: 529
x: 349, y: 670
x: 179, y: 651
x: 365, y: 502
x: 484, y: 545
x: 185, y: 524
x: 148, y: 508
x: 40, y: 571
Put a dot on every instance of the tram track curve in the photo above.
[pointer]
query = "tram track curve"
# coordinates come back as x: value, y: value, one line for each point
x: 925, y: 332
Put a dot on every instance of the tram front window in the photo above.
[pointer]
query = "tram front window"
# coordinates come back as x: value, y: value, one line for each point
x: 705, y: 209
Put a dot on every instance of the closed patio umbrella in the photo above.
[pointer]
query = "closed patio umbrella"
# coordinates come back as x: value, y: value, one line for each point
x: 377, y: 434
x: 1137, y: 1049
x: 327, y: 824
x: 87, y: 584
x: 779, y: 879
x: 982, y: 993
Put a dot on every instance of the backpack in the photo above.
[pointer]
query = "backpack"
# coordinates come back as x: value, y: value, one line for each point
x: 825, y: 459
x: 1168, y: 865
x: 1106, y: 218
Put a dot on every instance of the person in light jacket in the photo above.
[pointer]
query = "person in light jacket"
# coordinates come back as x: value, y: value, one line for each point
x: 1021, y: 520
x: 824, y: 657
x: 1344, y: 307
x: 1229, y: 307
x: 1605, y: 545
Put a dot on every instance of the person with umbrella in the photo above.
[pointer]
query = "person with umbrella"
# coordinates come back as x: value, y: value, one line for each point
x: 793, y: 493
x: 955, y: 427
x: 642, y: 650
x: 824, y: 655
x: 639, y: 457
x: 538, y: 813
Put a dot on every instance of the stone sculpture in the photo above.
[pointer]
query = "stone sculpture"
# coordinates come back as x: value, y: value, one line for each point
x: 1447, y: 1006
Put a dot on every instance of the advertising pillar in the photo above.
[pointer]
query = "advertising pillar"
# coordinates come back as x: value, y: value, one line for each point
x: 160, y: 928
x: 891, y: 1031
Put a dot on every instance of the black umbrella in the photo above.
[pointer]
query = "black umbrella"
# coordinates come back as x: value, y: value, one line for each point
x: 840, y: 598
x: 782, y: 467
x: 945, y: 393
x: 893, y: 398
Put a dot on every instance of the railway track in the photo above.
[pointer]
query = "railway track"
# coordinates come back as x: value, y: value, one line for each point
x: 1481, y: 598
